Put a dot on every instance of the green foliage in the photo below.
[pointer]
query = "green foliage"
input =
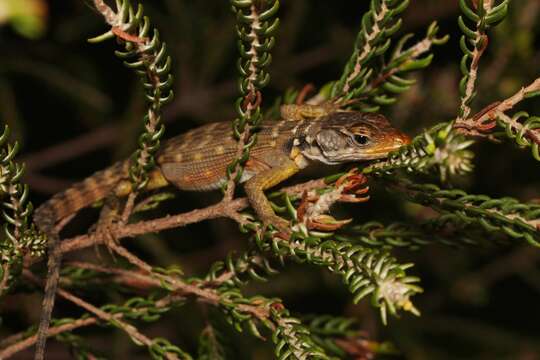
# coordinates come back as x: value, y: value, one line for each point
x: 504, y: 215
x: 440, y: 148
x: 256, y: 25
x: 365, y: 271
x: 390, y: 81
x: 473, y: 42
x: 147, y: 56
x: 20, y: 235
x: 234, y: 268
x: 325, y: 329
x: 364, y: 79
x: 396, y: 235
x: 523, y: 129
x: 147, y: 310
x: 161, y: 348
x: 210, y: 347
x: 360, y: 253
x: 330, y: 332
x: 292, y: 339
x: 373, y: 40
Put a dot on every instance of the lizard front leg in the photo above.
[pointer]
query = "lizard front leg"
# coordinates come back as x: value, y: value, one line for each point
x: 255, y: 192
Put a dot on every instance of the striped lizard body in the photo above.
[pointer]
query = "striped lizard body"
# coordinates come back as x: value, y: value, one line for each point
x: 198, y: 159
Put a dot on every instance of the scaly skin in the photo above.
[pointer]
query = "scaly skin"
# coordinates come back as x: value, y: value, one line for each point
x: 197, y: 160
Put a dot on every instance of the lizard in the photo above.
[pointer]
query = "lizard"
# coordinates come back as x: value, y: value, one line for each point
x: 197, y: 161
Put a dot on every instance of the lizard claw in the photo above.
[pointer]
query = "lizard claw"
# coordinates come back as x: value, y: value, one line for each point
x: 354, y: 186
x: 325, y: 222
x: 282, y: 226
x: 105, y: 231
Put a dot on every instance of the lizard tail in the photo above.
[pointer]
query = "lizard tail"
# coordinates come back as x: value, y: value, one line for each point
x: 47, y: 215
x: 80, y: 195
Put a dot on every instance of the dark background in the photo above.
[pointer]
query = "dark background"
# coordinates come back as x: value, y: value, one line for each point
x: 75, y: 109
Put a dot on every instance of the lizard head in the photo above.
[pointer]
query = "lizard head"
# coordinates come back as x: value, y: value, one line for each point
x: 351, y: 136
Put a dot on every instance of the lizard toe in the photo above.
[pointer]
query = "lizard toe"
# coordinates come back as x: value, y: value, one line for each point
x: 283, y: 226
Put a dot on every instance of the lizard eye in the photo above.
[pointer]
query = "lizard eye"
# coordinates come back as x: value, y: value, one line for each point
x: 361, y: 139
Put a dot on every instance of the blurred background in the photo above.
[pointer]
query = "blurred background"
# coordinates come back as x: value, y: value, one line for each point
x: 75, y: 109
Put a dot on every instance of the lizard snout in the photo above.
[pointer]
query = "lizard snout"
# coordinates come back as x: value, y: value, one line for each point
x: 402, y: 139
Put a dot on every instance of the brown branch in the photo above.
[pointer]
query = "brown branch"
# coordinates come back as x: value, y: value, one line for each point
x: 115, y: 319
x: 367, y: 49
x: 206, y: 295
x: 53, y: 331
x: 472, y: 76
x: 108, y: 14
x: 20, y: 341
x: 485, y: 119
x: 5, y: 278
x: 465, y: 109
x: 223, y: 209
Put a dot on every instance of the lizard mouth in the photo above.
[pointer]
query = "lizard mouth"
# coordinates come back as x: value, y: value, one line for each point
x: 395, y: 141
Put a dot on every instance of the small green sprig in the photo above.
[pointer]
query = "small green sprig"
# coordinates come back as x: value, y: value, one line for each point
x: 209, y: 346
x: 365, y: 271
x: 238, y: 270
x: 148, y: 310
x: 330, y: 332
x: 523, y: 129
x: 291, y: 337
x: 401, y: 235
x: 381, y: 86
x: 440, y: 147
x: 234, y: 305
x: 148, y: 57
x: 507, y: 215
x: 256, y: 26
x: 373, y: 40
x: 293, y: 340
x: 473, y: 43
x: 20, y: 235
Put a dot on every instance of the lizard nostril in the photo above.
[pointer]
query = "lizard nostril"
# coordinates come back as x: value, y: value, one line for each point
x: 403, y: 139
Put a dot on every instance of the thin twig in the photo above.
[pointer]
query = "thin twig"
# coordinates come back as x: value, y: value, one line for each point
x: 100, y: 314
x: 367, y: 49
x: 207, y: 295
x: 220, y: 210
x: 474, y: 125
x: 27, y: 342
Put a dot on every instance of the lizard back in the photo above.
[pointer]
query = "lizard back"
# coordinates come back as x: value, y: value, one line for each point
x: 198, y: 159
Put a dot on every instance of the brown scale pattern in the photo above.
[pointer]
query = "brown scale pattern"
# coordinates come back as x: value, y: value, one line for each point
x: 199, y: 158
x: 81, y: 194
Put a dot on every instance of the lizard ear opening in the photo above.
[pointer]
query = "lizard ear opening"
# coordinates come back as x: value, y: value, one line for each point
x: 330, y: 141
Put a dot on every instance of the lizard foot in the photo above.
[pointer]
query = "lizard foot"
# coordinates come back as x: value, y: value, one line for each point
x: 108, y: 218
x: 105, y: 231
x: 282, y: 226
